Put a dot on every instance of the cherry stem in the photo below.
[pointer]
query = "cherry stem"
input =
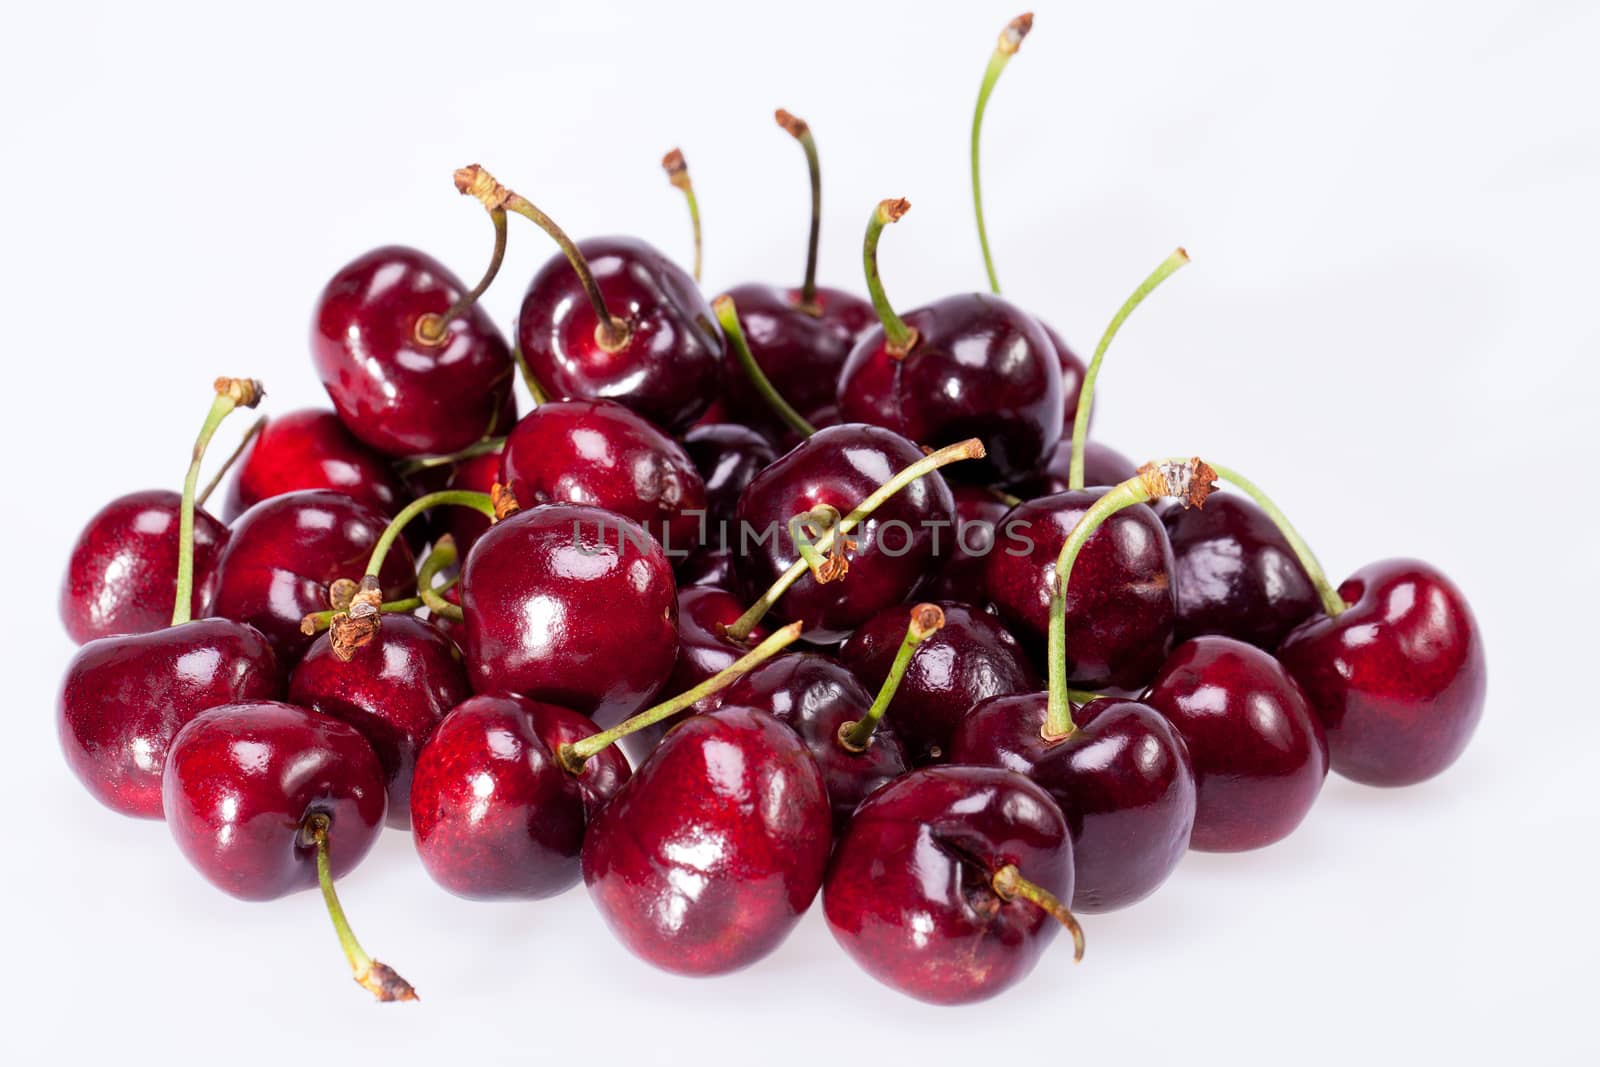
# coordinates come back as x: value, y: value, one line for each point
x: 610, y: 332
x: 231, y: 393
x: 800, y: 131
x: 1009, y: 884
x: 574, y: 755
x: 472, y: 451
x: 1187, y: 480
x: 318, y: 621
x: 432, y: 329
x: 926, y: 620
x: 227, y: 464
x: 728, y: 316
x: 901, y: 338
x: 1080, y: 426
x: 443, y: 555
x: 467, y: 498
x: 535, y: 390
x: 1010, y: 40
x: 376, y: 978
x: 971, y: 448
x: 677, y: 169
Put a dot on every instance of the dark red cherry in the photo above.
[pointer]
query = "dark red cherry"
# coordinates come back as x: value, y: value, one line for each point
x: 707, y: 857
x: 494, y: 815
x: 841, y: 466
x: 801, y: 350
x: 242, y: 780
x: 971, y: 658
x: 669, y: 369
x: 1236, y: 574
x: 283, y: 554
x: 711, y: 565
x: 396, y: 390
x: 125, y: 698
x: 981, y: 367
x: 395, y: 689
x: 1122, y: 778
x: 1102, y: 465
x: 963, y: 551
x: 912, y: 891
x: 1258, y: 751
x: 1398, y: 678
x: 311, y: 449
x: 122, y: 574
x: 1073, y: 370
x: 728, y: 457
x: 465, y: 525
x: 1120, y: 602
x: 815, y: 697
x: 597, y: 452
x: 571, y: 605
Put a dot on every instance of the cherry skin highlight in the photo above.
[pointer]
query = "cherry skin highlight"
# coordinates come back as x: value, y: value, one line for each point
x: 728, y: 457
x: 1398, y: 679
x: 494, y: 815
x: 311, y: 449
x: 1258, y: 751
x: 122, y: 574
x: 692, y: 865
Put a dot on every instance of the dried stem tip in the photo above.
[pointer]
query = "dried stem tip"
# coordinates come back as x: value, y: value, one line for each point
x: 1011, y: 37
x: 246, y: 392
x: 893, y: 210
x: 504, y: 501
x: 354, y: 628
x: 1190, y: 481
x: 677, y: 169
x: 926, y: 620
x: 383, y: 982
x: 794, y: 125
x: 475, y: 181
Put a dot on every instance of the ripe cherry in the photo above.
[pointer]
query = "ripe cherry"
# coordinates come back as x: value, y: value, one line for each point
x: 964, y: 552
x: 1102, y: 465
x: 728, y: 457
x: 311, y: 449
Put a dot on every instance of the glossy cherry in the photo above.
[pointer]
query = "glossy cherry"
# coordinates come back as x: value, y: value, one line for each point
x: 123, y: 570
x: 963, y: 551
x: 694, y: 864
x: 1398, y: 678
x: 396, y: 388
x: 1258, y: 751
x: 395, y: 689
x: 728, y: 457
x: 971, y: 658
x: 283, y: 554
x: 1102, y: 465
x: 571, y: 605
x: 597, y: 452
x: 494, y: 815
x: 1072, y: 375
x: 311, y: 449
x: 916, y: 895
x: 479, y: 474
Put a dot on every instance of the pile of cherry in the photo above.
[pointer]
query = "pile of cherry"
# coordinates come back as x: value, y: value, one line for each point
x: 1033, y: 675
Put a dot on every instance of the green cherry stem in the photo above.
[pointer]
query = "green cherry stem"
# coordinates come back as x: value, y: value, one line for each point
x: 442, y: 557
x: 472, y: 451
x: 1010, y: 40
x: 969, y: 449
x: 467, y: 498
x: 231, y: 393
x: 573, y: 755
x: 728, y: 316
x: 677, y: 169
x: 318, y: 621
x: 433, y: 329
x: 233, y: 457
x: 376, y: 978
x: 926, y: 620
x: 1009, y: 884
x: 1080, y: 426
x: 900, y: 337
x: 797, y: 128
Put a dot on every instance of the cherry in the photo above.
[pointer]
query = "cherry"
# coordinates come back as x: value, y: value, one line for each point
x: 122, y: 573
x: 971, y: 658
x: 1073, y: 372
x: 947, y: 884
x: 285, y: 552
x: 728, y: 457
x: 964, y: 554
x: 709, y: 565
x: 395, y: 691
x: 570, y: 605
x: 493, y: 812
x: 479, y: 474
x: 1397, y: 677
x: 838, y: 469
x: 695, y: 864
x: 599, y: 453
x: 967, y: 365
x: 1102, y: 465
x: 265, y: 799
x: 311, y: 449
x: 1258, y: 751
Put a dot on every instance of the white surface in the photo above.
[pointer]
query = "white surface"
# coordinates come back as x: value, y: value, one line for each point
x: 1389, y: 323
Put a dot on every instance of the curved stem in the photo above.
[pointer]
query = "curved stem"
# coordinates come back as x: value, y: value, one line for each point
x: 926, y: 620
x: 1080, y: 426
x: 378, y: 979
x: 472, y: 451
x: 728, y: 316
x: 1009, y: 884
x: 969, y: 449
x: 901, y: 338
x: 535, y: 390
x: 442, y: 556
x: 318, y: 621
x: 800, y: 131
x: 678, y: 174
x: 227, y: 464
x: 444, y: 498
x: 430, y: 329
x: 573, y: 755
x: 1010, y: 40
x: 230, y: 393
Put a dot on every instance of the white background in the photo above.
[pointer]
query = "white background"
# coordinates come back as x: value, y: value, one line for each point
x: 1389, y: 322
